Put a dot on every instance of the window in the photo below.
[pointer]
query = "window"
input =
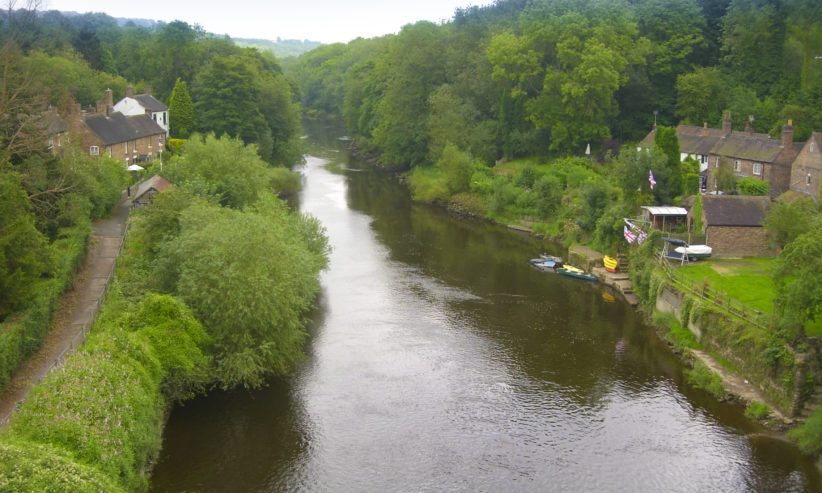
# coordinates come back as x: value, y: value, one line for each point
x: 165, y: 118
x: 757, y: 168
x: 125, y: 147
x: 93, y: 151
x: 811, y: 149
x: 51, y: 143
x: 737, y: 166
x: 808, y: 180
x: 109, y: 152
x: 717, y: 162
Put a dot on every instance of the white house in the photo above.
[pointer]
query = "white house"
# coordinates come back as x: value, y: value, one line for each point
x: 144, y: 104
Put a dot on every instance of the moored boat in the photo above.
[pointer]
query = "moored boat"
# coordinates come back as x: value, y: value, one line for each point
x: 571, y: 271
x: 545, y: 265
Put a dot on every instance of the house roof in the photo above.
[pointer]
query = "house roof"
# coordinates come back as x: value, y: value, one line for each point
x: 752, y: 147
x: 118, y: 128
x: 149, y: 102
x: 698, y: 140
x: 54, y: 123
x: 665, y: 210
x: 156, y: 182
x: 735, y: 210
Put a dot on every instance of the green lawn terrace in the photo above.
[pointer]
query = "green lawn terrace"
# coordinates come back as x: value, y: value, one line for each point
x: 746, y: 280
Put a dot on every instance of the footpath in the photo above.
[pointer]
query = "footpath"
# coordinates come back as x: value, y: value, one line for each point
x: 77, y: 309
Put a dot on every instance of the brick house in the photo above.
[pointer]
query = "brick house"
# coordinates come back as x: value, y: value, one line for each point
x: 806, y: 172
x: 747, y: 153
x: 733, y: 225
x: 143, y: 104
x: 131, y: 139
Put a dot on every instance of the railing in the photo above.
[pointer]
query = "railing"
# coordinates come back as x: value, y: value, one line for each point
x: 721, y: 300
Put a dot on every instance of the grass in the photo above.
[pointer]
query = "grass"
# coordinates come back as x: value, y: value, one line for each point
x: 678, y: 335
x: 757, y: 410
x: 745, y: 280
x: 703, y: 378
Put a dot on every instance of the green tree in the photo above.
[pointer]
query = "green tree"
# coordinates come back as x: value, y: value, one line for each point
x: 787, y: 221
x: 669, y: 184
x: 700, y: 96
x: 249, y: 277
x: 182, y: 120
x: 227, y: 102
x: 224, y: 170
x: 798, y: 281
x: 23, y: 250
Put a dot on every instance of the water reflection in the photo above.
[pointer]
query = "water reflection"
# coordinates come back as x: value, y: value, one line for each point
x: 440, y: 361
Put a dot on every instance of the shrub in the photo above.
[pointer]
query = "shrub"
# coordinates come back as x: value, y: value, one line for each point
x: 283, y: 181
x: 757, y: 410
x: 752, y: 186
x: 28, y: 466
x: 808, y: 435
x: 703, y: 378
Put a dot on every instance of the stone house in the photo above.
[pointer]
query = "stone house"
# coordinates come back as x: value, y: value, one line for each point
x: 144, y: 104
x: 806, y: 172
x: 145, y: 192
x: 733, y: 225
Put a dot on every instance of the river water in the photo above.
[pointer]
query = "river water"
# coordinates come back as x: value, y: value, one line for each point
x: 439, y: 360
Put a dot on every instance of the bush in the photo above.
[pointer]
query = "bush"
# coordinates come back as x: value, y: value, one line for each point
x: 757, y: 410
x: 703, y: 378
x: 808, y: 435
x: 28, y: 466
x: 283, y: 181
x: 752, y: 186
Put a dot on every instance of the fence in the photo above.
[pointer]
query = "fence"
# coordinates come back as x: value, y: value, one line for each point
x: 721, y: 300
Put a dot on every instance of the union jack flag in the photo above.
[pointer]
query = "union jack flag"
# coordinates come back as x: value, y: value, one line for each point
x: 629, y: 235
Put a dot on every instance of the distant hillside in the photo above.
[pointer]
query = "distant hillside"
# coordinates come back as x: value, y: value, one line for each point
x: 281, y: 48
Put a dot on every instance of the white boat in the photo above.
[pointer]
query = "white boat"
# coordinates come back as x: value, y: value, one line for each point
x: 694, y: 252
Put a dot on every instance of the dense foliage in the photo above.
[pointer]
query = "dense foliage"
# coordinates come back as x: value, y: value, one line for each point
x: 538, y: 77
x: 233, y: 90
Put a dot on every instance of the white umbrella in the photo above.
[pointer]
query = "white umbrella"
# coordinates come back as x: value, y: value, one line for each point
x: 134, y: 167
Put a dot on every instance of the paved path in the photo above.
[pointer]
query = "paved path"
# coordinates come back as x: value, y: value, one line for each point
x: 76, y: 311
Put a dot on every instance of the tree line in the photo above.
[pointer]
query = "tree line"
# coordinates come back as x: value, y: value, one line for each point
x: 238, y: 91
x: 546, y: 78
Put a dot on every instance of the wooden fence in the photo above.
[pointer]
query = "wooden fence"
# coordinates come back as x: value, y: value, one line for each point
x: 721, y: 300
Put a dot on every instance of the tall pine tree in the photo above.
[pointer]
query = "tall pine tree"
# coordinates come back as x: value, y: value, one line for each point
x: 181, y: 111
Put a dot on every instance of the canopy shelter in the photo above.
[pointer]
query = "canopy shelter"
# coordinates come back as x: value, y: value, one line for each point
x: 661, y: 216
x: 669, y: 249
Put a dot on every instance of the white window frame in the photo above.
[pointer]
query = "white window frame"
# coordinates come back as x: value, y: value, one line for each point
x: 93, y: 151
x: 757, y: 169
x: 737, y: 166
x: 808, y: 180
x: 109, y: 151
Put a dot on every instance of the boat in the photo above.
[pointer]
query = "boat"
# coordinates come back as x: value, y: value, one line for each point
x: 557, y: 260
x: 610, y: 263
x: 571, y: 271
x: 545, y: 265
x: 694, y: 252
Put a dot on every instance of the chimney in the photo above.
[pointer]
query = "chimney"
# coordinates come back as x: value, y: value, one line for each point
x: 726, y: 123
x: 704, y: 128
x: 109, y: 102
x: 100, y: 106
x: 787, y: 134
x: 147, y: 90
x: 129, y: 91
x: 748, y: 129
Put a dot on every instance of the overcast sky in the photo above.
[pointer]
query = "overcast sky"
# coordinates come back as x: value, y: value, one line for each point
x: 327, y: 21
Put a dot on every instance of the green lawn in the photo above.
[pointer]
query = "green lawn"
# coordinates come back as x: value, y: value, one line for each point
x: 745, y: 280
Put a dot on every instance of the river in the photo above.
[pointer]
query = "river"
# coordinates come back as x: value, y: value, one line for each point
x: 439, y: 360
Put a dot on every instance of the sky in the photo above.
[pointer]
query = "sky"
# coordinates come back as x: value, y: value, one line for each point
x: 327, y: 21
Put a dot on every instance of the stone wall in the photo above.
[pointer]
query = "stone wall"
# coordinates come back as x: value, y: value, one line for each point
x: 739, y: 241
